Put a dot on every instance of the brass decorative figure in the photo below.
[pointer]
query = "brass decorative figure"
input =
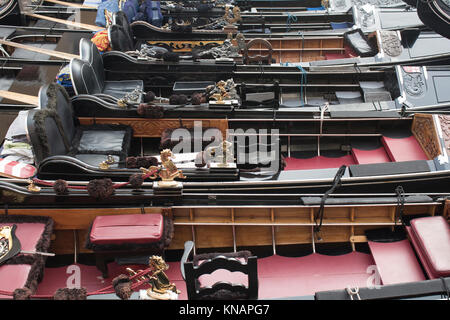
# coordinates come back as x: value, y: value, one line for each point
x: 104, y: 165
x: 168, y: 171
x: 32, y: 187
x: 222, y: 152
x: 232, y: 18
x: 6, y: 241
x: 161, y: 287
x: 223, y: 94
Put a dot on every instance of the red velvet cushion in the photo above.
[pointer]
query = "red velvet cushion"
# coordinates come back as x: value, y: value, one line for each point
x: 404, y: 149
x: 129, y: 228
x: 370, y: 156
x: 432, y: 235
x: 13, y: 276
x: 319, y: 162
x: 335, y: 56
x: 28, y: 234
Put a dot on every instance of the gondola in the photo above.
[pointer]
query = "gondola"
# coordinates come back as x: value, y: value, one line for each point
x: 434, y: 14
x: 345, y: 139
x: 308, y: 52
x: 345, y: 257
x: 301, y: 91
x: 267, y: 24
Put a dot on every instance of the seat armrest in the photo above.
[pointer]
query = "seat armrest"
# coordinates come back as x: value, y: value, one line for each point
x: 106, y: 97
x: 188, y: 247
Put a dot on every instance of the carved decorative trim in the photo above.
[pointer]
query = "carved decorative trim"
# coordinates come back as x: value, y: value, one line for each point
x: 152, y: 128
x: 414, y: 84
x: 184, y: 45
x: 391, y: 44
x: 445, y: 127
x: 425, y: 132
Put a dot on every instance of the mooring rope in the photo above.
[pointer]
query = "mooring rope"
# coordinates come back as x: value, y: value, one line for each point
x: 290, y: 19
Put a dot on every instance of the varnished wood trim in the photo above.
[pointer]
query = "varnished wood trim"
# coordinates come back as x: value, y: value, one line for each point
x: 152, y: 128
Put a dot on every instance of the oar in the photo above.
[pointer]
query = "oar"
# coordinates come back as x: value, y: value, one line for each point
x: 48, y: 254
x: 69, y: 4
x: 68, y: 23
x: 57, y: 54
x: 24, y: 98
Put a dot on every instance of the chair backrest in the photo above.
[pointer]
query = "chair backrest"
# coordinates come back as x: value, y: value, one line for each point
x: 120, y: 18
x: 258, y: 23
x: 54, y: 96
x: 84, y: 78
x: 46, y: 134
x: 120, y: 39
x: 192, y: 273
x: 89, y: 52
x: 258, y: 58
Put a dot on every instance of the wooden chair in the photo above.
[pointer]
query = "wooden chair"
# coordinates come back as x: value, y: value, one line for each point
x: 258, y: 58
x: 193, y: 270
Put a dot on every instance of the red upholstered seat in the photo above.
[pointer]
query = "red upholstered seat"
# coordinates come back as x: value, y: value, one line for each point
x: 403, y: 149
x: 396, y: 262
x: 13, y: 276
x: 28, y: 234
x: 370, y: 156
x: 132, y: 228
x: 432, y: 239
x: 319, y: 162
x: 334, y: 56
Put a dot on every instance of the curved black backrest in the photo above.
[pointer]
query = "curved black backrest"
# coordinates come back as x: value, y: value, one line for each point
x: 83, y: 77
x: 119, y: 39
x: 120, y: 18
x: 191, y: 272
x: 46, y: 135
x: 90, y: 53
x: 54, y: 96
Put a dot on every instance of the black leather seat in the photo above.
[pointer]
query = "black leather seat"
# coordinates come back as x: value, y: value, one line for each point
x: 120, y: 19
x: 88, y: 76
x: 260, y: 96
x: 120, y: 34
x: 54, y: 130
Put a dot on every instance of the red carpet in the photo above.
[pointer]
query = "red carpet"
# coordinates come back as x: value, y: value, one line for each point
x: 278, y: 276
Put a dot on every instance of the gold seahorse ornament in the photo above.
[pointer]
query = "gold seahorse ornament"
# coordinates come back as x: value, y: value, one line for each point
x: 6, y: 241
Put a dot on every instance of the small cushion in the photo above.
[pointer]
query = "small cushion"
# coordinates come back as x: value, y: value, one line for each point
x: 13, y: 276
x: 101, y: 140
x: 404, y: 149
x: 378, y: 155
x: 432, y: 235
x: 129, y: 229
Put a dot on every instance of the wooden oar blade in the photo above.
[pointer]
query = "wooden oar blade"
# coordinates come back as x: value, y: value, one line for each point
x: 20, y: 97
x: 69, y: 4
x: 80, y: 25
x: 52, y: 53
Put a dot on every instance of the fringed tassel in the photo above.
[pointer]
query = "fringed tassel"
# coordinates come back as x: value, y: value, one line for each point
x: 122, y: 287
